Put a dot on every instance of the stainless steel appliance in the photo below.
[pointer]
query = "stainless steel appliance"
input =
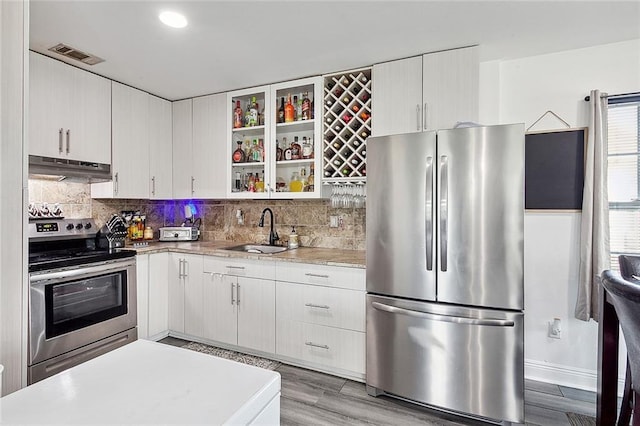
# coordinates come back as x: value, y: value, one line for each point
x: 179, y: 233
x: 445, y: 213
x: 82, y: 298
x: 69, y: 170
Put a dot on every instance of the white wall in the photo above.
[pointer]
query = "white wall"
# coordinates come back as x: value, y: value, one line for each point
x: 522, y: 90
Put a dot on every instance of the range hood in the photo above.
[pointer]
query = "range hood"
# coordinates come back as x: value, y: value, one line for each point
x: 68, y: 170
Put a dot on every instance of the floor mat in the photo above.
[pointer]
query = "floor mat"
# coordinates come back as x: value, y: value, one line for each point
x: 256, y: 361
x: 581, y: 420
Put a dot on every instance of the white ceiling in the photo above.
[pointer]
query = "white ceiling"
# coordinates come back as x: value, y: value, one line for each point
x: 234, y: 44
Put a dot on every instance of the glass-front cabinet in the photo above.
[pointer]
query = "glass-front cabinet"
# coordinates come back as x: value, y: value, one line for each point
x: 274, y: 140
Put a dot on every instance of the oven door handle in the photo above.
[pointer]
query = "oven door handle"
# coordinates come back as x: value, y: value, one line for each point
x: 41, y: 279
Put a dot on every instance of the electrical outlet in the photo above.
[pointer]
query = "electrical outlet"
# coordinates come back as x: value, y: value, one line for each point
x: 333, y: 221
x: 555, y: 330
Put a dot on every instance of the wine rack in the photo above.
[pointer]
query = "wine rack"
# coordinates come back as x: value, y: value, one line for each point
x: 347, y: 125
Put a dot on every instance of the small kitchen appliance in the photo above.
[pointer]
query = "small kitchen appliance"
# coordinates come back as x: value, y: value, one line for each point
x: 188, y: 231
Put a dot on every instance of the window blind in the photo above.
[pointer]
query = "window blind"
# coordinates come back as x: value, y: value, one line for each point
x: 624, y: 177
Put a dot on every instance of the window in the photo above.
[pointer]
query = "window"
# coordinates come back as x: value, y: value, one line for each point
x: 624, y: 176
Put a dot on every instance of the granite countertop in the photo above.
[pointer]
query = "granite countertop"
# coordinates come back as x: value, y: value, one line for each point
x: 319, y: 256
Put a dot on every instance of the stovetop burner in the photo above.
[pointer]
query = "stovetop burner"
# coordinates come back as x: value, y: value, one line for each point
x: 65, y: 243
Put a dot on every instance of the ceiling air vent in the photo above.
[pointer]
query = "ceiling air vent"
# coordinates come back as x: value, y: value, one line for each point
x: 76, y: 54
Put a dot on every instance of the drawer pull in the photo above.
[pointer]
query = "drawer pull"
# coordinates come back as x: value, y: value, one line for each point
x: 235, y: 267
x: 316, y: 275
x: 311, y: 305
x: 315, y: 345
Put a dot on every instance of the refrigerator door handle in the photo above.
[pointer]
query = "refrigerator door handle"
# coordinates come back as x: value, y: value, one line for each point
x: 444, y: 318
x: 428, y: 208
x: 444, y: 208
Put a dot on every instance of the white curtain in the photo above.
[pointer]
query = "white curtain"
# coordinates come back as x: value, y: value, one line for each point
x: 594, y: 235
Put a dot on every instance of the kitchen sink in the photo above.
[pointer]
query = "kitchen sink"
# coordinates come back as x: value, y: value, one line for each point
x: 257, y: 248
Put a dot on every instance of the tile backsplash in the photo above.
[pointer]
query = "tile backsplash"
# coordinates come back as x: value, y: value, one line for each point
x: 310, y: 217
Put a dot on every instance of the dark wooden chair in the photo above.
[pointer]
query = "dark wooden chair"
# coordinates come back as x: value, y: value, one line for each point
x: 624, y: 293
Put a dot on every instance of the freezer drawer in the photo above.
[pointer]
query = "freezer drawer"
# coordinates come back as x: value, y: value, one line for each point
x: 463, y: 359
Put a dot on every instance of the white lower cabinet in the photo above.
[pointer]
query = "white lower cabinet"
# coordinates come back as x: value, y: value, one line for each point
x: 320, y: 319
x: 158, y: 295
x: 239, y: 303
x: 185, y: 293
x: 152, y: 285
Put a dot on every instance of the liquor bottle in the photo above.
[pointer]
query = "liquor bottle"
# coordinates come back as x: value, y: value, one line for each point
x: 259, y: 184
x: 261, y: 149
x: 296, y: 149
x: 278, y: 152
x: 247, y: 115
x: 312, y: 110
x: 311, y: 178
x: 281, y: 111
x: 254, y: 111
x: 306, y: 107
x: 303, y: 178
x: 299, y: 107
x: 307, y: 148
x: 237, y: 116
x: 256, y: 155
x: 289, y: 111
x: 239, y: 156
x: 295, y: 184
x: 252, y: 183
x: 238, y: 182
x: 287, y: 153
x: 296, y: 113
x: 260, y: 115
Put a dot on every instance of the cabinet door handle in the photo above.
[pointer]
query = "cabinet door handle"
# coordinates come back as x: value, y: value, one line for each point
x: 153, y: 185
x: 418, y: 117
x: 238, y: 294
x: 60, y: 140
x: 316, y: 275
x: 68, y: 139
x: 233, y: 286
x: 311, y: 305
x: 192, y: 186
x: 235, y: 267
x: 315, y: 345
x: 185, y: 266
x: 116, y: 184
x: 424, y: 122
x: 180, y: 268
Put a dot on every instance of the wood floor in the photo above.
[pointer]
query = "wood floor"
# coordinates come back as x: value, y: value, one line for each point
x: 312, y: 398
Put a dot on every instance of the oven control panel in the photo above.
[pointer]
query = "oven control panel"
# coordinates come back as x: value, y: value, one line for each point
x: 50, y: 229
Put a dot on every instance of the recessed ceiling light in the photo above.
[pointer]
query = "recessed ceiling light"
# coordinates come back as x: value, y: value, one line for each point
x: 173, y: 19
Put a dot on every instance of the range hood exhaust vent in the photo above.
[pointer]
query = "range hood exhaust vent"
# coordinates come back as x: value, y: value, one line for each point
x: 68, y: 170
x: 78, y: 55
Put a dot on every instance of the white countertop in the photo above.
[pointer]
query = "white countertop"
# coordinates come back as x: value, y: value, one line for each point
x: 146, y: 383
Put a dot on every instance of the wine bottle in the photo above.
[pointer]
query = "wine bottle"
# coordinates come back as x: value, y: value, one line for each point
x: 296, y: 149
x: 296, y: 113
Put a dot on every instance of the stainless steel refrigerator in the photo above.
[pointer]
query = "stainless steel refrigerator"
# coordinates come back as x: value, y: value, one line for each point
x: 445, y: 213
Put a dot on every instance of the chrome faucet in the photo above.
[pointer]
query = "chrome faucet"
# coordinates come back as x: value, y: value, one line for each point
x: 273, y: 236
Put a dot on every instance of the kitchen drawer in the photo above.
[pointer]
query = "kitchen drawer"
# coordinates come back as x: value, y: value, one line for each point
x: 328, y: 346
x: 264, y: 269
x: 330, y: 276
x: 314, y: 304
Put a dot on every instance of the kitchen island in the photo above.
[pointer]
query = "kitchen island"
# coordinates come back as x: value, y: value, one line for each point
x: 149, y: 383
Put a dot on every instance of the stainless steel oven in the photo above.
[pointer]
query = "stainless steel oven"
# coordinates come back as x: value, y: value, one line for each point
x: 82, y: 300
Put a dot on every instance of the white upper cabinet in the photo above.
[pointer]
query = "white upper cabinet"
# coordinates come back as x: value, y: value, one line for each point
x: 183, y: 179
x: 69, y: 112
x: 428, y: 92
x: 397, y: 97
x: 141, y: 147
x: 130, y: 142
x: 209, y: 148
x: 160, y: 149
x: 450, y: 88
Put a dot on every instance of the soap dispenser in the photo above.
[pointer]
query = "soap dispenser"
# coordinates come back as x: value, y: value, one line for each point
x: 293, y: 238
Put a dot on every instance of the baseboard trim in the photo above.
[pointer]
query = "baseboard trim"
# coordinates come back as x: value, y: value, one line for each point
x: 563, y: 375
